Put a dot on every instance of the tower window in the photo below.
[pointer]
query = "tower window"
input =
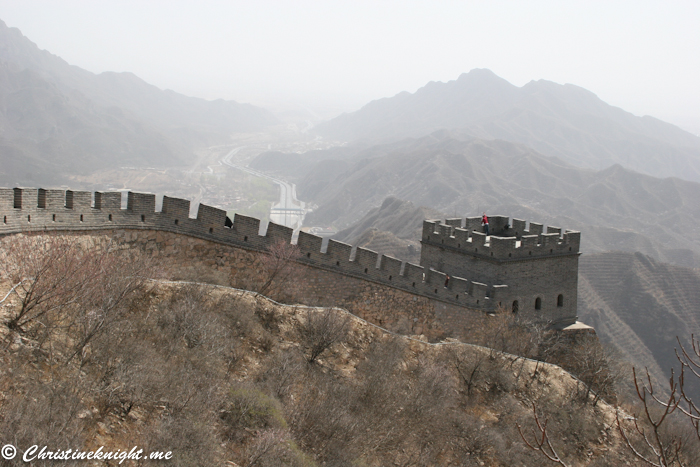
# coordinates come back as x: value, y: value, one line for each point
x: 538, y: 303
x: 516, y: 306
x: 560, y: 300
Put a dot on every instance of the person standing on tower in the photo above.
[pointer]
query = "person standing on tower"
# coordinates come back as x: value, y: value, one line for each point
x: 485, y: 223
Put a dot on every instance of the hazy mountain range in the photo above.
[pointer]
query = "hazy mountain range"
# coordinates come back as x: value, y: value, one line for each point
x: 56, y: 118
x: 616, y: 208
x: 556, y: 120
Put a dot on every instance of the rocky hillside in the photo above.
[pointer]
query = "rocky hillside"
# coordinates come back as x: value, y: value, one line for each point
x: 565, y: 121
x: 219, y: 376
x: 634, y: 302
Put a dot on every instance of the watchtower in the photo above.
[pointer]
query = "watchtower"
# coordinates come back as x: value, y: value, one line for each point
x: 536, y: 272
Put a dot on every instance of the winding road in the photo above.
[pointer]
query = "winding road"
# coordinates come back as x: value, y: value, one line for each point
x: 289, y: 211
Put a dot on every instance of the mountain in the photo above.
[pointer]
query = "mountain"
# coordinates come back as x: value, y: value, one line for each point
x: 394, y: 228
x: 45, y: 132
x: 565, y: 121
x: 640, y: 305
x: 615, y: 209
x: 57, y: 118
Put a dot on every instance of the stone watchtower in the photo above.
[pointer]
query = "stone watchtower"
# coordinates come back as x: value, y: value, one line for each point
x: 535, y: 273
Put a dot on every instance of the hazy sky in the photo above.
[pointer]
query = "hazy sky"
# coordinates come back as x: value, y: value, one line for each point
x: 641, y: 56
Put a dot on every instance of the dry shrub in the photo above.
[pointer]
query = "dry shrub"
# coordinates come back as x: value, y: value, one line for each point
x: 321, y: 330
x: 60, y: 284
x: 279, y: 266
x: 283, y: 371
x: 274, y: 448
x: 248, y: 408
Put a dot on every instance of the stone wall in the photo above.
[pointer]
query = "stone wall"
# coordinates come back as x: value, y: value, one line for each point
x: 31, y: 210
x: 421, y: 300
x: 192, y: 259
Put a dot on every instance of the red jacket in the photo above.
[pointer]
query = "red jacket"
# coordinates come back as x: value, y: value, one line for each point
x: 485, y: 220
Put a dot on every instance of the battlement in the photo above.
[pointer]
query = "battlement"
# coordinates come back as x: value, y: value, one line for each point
x: 506, y: 242
x: 39, y: 210
x: 540, y: 269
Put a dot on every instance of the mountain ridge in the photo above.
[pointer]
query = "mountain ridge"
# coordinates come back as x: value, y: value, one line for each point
x: 565, y: 121
x: 61, y: 120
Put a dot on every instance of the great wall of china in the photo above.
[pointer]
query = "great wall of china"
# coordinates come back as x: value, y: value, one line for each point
x: 515, y: 268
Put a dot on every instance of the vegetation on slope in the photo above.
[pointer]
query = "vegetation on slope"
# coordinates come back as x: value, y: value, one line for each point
x: 98, y: 354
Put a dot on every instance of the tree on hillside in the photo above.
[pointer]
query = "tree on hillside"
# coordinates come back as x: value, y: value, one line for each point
x: 654, y: 433
x: 279, y: 265
x: 61, y: 283
x: 321, y: 330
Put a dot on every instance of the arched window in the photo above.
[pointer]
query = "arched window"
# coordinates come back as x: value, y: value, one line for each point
x: 538, y: 303
x: 516, y: 306
x: 560, y: 300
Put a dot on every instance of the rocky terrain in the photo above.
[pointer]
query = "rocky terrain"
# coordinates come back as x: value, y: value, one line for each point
x: 220, y: 376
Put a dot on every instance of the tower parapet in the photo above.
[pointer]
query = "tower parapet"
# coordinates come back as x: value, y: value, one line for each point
x: 539, y: 267
x: 505, y: 242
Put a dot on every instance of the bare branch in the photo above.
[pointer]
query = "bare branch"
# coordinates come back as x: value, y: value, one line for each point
x: 540, y: 440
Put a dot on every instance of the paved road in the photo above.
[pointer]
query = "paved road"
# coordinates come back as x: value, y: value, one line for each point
x: 289, y: 210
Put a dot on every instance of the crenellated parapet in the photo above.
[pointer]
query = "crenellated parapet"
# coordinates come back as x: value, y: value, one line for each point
x: 538, y: 264
x: 39, y: 210
x: 505, y: 243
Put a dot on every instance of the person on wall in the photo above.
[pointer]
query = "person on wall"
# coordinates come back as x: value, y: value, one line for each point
x: 485, y: 223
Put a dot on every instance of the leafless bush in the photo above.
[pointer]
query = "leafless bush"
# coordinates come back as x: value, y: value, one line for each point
x: 238, y: 313
x: 50, y: 412
x: 469, y: 364
x: 190, y: 437
x: 246, y: 408
x: 61, y: 283
x: 279, y: 266
x: 282, y: 372
x: 597, y: 369
x: 274, y: 448
x: 539, y: 439
x: 268, y: 316
x: 321, y: 330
